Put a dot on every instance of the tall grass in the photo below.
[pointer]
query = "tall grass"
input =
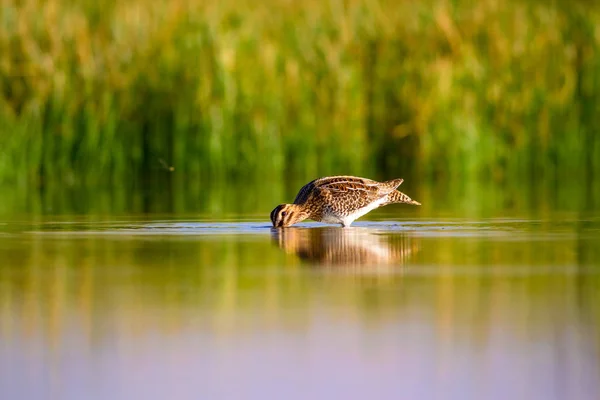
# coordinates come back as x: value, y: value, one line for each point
x: 108, y: 92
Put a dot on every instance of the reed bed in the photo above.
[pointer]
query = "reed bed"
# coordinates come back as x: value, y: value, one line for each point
x: 108, y: 92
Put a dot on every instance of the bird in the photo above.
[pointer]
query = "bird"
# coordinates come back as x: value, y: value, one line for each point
x: 339, y: 200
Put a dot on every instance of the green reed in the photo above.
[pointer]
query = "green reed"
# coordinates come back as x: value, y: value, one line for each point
x: 228, y: 89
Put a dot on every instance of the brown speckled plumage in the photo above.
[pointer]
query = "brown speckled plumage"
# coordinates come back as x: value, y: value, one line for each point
x: 338, y: 199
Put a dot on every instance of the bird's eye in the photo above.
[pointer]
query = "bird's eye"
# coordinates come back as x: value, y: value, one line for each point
x: 283, y: 213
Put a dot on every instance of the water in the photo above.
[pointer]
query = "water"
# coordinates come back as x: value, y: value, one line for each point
x: 159, y: 307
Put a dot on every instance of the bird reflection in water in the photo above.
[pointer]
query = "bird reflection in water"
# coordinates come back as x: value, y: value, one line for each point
x: 351, y: 248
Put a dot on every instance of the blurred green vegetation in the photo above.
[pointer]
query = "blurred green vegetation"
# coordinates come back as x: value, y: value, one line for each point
x: 193, y: 91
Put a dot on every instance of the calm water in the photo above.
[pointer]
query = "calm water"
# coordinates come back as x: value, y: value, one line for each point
x: 158, y: 307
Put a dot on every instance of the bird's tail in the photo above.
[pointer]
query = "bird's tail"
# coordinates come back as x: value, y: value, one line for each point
x: 399, y: 197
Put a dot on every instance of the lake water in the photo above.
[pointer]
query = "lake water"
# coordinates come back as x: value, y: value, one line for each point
x: 414, y: 307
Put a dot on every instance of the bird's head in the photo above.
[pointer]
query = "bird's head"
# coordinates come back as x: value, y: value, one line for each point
x: 287, y: 214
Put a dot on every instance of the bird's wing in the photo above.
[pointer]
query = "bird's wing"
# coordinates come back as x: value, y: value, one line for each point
x: 382, y: 188
x: 348, y: 192
x: 330, y: 183
x: 347, y: 199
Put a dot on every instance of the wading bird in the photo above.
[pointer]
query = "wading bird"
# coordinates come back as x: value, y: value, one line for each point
x: 339, y: 200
